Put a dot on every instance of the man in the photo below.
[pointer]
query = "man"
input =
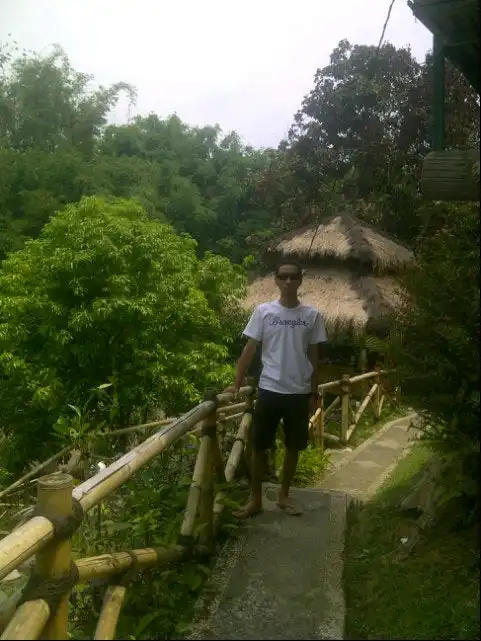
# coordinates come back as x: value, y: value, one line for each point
x: 290, y: 333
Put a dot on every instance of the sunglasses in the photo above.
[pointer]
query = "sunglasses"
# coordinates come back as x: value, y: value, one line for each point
x: 292, y: 277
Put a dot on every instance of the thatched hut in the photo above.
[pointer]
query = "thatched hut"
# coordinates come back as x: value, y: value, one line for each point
x: 350, y: 274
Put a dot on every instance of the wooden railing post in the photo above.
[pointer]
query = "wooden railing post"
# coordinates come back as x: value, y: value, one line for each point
x: 250, y: 380
x: 54, y: 562
x: 206, y: 507
x: 345, y: 406
x: 321, y: 419
x: 377, y: 394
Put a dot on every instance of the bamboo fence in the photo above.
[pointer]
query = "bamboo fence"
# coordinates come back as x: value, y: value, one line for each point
x: 342, y: 390
x: 41, y: 609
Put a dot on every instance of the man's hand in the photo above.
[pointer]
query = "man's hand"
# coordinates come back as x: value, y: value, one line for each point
x: 312, y: 405
x: 232, y: 389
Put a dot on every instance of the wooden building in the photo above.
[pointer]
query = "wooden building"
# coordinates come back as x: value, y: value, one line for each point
x: 451, y: 175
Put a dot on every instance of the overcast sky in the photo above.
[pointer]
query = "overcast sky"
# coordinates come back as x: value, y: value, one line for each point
x: 245, y: 64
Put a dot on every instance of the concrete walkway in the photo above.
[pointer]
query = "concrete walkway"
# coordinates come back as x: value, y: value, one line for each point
x: 362, y: 471
x: 281, y: 578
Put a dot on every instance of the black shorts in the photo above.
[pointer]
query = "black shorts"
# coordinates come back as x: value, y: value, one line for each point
x: 270, y: 408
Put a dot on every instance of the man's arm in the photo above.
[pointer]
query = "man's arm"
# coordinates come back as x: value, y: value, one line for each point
x: 243, y: 363
x: 313, y: 354
x: 318, y: 336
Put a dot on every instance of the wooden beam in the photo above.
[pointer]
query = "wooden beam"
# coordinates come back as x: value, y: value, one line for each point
x: 451, y: 176
x: 438, y: 106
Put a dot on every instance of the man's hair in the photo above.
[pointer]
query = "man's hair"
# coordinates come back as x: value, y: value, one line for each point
x: 288, y: 261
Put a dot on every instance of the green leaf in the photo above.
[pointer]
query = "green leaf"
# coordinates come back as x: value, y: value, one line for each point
x: 145, y: 621
x: 75, y: 409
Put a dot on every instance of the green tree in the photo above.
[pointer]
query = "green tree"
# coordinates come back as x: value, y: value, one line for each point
x: 45, y: 104
x: 55, y: 147
x: 439, y: 323
x: 366, y: 126
x: 105, y: 294
x: 206, y: 184
x: 435, y: 341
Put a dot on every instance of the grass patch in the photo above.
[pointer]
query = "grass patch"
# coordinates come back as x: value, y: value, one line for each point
x: 433, y: 594
x: 311, y: 466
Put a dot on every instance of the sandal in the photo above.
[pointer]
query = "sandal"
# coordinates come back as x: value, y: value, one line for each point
x: 291, y: 509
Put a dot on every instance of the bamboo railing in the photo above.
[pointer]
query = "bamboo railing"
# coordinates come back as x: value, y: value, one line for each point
x: 227, y: 413
x: 41, y: 609
x: 342, y: 389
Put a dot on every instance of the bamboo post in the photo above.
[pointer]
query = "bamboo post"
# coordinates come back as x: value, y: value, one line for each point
x: 8, y: 607
x: 332, y: 407
x: 54, y: 562
x: 249, y: 407
x: 235, y: 457
x: 221, y: 420
x: 345, y: 406
x: 206, y: 507
x: 109, y: 616
x: 360, y: 411
x: 381, y: 404
x: 28, y: 621
x: 238, y: 447
x: 377, y: 395
x: 321, y: 419
x: 195, y: 492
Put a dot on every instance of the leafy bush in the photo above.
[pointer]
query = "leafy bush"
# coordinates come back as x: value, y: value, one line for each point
x: 107, y: 295
x: 435, y: 344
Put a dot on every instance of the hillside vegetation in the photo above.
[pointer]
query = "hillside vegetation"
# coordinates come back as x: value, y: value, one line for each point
x: 125, y: 249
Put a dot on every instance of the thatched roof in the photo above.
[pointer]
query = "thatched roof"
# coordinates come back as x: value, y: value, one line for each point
x: 344, y: 237
x: 347, y: 302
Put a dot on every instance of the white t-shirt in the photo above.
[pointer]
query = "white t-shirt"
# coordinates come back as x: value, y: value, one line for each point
x: 285, y: 334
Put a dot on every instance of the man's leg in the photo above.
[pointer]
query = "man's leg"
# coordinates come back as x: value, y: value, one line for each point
x: 288, y: 472
x: 296, y: 433
x: 264, y: 425
x: 258, y: 467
